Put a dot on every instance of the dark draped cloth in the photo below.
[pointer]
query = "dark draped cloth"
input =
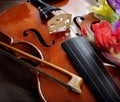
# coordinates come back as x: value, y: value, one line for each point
x: 16, y: 82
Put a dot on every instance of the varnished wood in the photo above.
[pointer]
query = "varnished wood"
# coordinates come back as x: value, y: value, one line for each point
x: 21, y: 17
x: 75, y: 81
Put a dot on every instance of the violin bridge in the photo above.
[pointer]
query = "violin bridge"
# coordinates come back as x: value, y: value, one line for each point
x: 59, y: 23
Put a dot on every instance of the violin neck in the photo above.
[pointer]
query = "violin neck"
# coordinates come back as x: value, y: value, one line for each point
x: 43, y: 7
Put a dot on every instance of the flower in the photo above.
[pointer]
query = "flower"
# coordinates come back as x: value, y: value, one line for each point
x: 107, y: 40
x: 104, y: 35
x: 116, y: 25
x: 115, y: 5
x: 104, y: 11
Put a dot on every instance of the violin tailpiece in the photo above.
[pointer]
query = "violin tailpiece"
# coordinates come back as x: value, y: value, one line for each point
x: 59, y: 23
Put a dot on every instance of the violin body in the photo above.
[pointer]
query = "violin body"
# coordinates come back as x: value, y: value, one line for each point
x: 27, y: 31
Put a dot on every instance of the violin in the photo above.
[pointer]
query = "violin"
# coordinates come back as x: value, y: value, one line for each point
x: 25, y: 27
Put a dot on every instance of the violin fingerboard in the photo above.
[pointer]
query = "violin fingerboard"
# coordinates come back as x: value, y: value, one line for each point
x: 90, y: 67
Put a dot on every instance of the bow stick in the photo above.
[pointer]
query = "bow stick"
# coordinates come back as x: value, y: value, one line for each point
x: 75, y: 82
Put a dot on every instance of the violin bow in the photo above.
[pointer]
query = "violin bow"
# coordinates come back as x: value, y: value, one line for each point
x: 73, y: 85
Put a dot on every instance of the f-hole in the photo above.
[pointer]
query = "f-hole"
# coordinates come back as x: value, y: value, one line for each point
x: 38, y: 35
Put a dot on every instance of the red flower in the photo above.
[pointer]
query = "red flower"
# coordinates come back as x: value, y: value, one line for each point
x: 118, y: 33
x: 104, y: 35
x: 107, y: 39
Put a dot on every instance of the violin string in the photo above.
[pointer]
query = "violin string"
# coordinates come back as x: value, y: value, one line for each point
x: 94, y: 61
x: 110, y: 94
x: 29, y: 66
